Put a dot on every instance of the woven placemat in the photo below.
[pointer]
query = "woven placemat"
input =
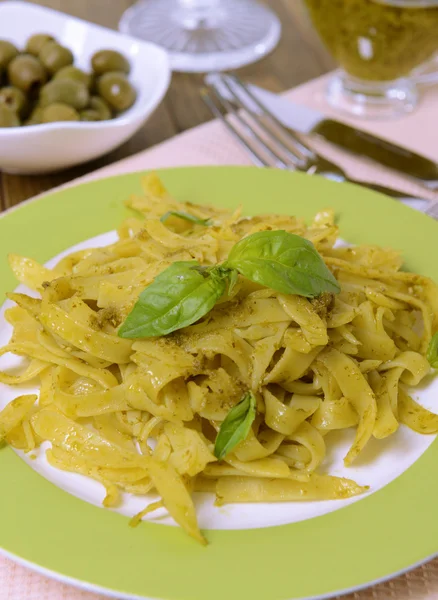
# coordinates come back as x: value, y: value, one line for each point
x: 210, y: 144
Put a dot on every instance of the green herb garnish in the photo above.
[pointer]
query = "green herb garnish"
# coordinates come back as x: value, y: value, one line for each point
x: 186, y: 291
x: 432, y: 351
x: 236, y: 426
x: 284, y: 262
x: 178, y: 297
x: 234, y: 276
x: 186, y: 217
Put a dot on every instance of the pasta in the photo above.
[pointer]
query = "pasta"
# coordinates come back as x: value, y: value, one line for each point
x: 143, y: 415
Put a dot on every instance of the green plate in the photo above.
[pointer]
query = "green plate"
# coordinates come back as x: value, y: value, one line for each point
x: 372, y: 539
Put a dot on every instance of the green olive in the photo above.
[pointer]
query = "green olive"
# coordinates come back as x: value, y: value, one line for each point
x: 98, y: 104
x: 36, y: 42
x: 7, y: 52
x: 109, y: 60
x: 72, y: 72
x: 14, y: 99
x: 26, y: 73
x: 89, y: 114
x: 54, y: 56
x: 8, y: 117
x: 116, y: 90
x: 58, y: 112
x: 64, y: 91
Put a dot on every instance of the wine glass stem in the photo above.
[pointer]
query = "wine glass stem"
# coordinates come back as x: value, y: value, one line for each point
x: 199, y: 14
x: 198, y: 4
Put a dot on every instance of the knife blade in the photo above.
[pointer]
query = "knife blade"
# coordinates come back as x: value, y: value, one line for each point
x: 310, y: 121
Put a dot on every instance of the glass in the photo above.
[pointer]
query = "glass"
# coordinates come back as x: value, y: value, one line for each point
x: 381, y: 46
x: 205, y: 35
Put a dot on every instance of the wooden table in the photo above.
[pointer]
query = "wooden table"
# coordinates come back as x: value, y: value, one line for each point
x: 299, y: 57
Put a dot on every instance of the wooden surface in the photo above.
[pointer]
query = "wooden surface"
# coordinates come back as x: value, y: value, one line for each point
x: 298, y: 58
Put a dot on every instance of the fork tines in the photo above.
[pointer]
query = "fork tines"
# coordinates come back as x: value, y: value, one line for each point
x: 253, y: 125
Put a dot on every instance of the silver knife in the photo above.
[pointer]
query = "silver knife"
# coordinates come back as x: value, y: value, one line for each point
x: 312, y: 122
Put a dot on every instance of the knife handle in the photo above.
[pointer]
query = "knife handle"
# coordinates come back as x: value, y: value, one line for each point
x: 382, y: 189
x: 381, y: 151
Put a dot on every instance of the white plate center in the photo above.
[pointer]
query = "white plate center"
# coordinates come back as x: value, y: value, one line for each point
x: 381, y: 462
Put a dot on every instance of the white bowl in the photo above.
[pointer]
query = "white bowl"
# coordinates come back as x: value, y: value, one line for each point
x: 55, y: 146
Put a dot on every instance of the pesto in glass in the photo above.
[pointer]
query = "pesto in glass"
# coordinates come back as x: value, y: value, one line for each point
x: 377, y: 40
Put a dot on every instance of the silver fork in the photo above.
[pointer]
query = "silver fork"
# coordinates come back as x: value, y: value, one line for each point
x: 268, y: 142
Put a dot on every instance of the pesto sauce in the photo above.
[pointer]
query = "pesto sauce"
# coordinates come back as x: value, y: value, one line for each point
x: 374, y: 41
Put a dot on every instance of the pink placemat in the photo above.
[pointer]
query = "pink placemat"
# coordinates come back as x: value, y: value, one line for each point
x: 210, y: 144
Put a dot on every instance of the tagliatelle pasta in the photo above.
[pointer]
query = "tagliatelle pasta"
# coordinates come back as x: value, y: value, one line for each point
x: 143, y: 415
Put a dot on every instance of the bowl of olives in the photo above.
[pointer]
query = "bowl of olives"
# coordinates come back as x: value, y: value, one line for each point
x: 70, y: 90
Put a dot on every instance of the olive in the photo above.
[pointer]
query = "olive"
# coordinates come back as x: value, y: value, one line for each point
x: 58, y: 112
x: 72, y: 72
x: 26, y: 73
x: 7, y: 52
x: 89, y: 114
x: 65, y: 91
x: 8, y: 117
x: 116, y: 90
x: 54, y: 56
x: 36, y: 42
x: 13, y: 98
x: 109, y: 60
x: 98, y: 104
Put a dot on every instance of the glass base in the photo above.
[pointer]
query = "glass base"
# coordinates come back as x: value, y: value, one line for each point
x: 426, y: 74
x: 209, y: 36
x: 371, y: 100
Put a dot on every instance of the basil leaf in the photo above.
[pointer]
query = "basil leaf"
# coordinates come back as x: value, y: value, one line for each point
x: 186, y: 217
x: 177, y: 297
x: 236, y: 426
x: 432, y: 351
x: 284, y: 262
x: 234, y: 276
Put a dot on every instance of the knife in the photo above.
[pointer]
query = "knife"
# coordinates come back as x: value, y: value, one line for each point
x: 310, y: 121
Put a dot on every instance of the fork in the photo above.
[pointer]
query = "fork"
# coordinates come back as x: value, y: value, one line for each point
x: 268, y: 142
